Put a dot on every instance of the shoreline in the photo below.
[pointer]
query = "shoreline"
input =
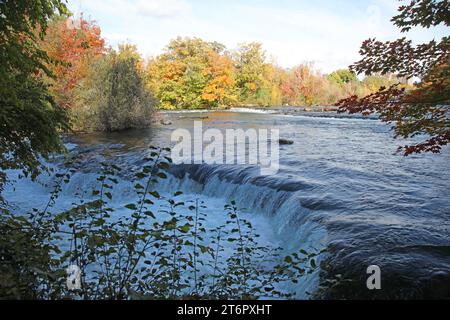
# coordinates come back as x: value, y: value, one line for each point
x: 268, y: 108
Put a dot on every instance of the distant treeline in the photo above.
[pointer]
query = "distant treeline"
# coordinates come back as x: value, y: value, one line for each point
x: 107, y: 89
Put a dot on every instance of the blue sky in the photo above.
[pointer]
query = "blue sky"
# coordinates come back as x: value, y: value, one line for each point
x: 326, y: 32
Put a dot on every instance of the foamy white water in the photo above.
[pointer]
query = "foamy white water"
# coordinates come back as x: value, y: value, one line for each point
x: 340, y: 187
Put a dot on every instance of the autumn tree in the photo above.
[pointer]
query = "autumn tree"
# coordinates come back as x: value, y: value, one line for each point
x: 372, y: 83
x: 343, y: 76
x: 420, y: 112
x: 304, y: 86
x: 192, y: 73
x: 30, y: 119
x: 73, y: 44
x: 219, y: 91
x: 250, y: 61
x: 270, y: 93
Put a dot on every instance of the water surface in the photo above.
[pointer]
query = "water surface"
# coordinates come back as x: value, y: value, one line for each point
x: 340, y: 187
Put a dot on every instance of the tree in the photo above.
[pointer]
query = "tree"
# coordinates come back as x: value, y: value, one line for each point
x: 304, y: 86
x: 343, y: 76
x: 250, y: 60
x: 74, y: 44
x: 424, y: 110
x: 270, y: 93
x: 30, y: 118
x: 113, y: 96
x: 219, y: 91
x: 192, y: 73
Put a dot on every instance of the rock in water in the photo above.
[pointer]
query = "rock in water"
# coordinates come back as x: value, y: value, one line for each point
x: 285, y: 142
x: 166, y: 122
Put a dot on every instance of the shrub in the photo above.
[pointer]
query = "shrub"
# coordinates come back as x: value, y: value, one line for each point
x: 113, y: 96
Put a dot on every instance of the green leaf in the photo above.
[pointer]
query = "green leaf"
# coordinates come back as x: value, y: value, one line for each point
x: 185, y: 228
x: 140, y: 175
x: 113, y: 180
x: 150, y: 214
x: 288, y: 259
x: 131, y: 206
x: 138, y: 186
x: 155, y: 194
x: 163, y: 165
x: 162, y: 175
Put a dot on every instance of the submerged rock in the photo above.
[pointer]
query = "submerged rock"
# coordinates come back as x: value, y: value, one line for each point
x: 285, y: 142
x: 165, y: 122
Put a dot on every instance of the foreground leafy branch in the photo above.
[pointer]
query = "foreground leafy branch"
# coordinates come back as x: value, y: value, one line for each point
x: 422, y: 110
x: 160, y: 250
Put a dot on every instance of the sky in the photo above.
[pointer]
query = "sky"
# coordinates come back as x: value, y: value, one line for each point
x: 325, y: 32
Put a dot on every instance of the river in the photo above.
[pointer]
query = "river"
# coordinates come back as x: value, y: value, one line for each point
x: 340, y: 187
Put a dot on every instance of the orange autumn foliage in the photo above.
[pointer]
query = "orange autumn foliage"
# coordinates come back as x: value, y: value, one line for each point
x: 73, y: 44
x: 219, y: 89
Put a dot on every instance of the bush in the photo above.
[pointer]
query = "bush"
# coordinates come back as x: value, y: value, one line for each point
x: 113, y: 96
